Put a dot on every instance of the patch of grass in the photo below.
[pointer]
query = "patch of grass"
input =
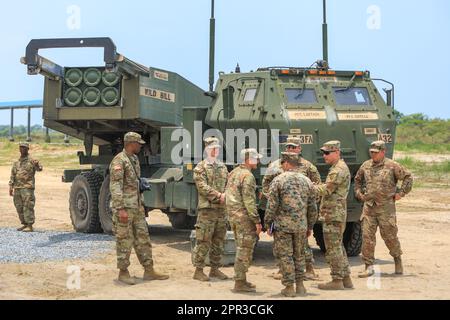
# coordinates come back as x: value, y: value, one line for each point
x: 56, y: 155
x: 435, y: 172
x: 421, y: 147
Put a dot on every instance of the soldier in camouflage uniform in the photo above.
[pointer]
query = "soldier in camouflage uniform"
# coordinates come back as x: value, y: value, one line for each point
x: 22, y: 185
x: 290, y: 216
x: 333, y: 215
x: 243, y: 216
x: 306, y: 168
x: 380, y: 176
x: 210, y: 177
x: 129, y: 225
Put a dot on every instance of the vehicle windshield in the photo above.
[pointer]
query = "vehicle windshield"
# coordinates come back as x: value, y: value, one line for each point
x: 352, y: 96
x: 301, y: 96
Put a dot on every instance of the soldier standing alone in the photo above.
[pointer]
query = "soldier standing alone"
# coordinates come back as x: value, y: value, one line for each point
x: 210, y: 177
x: 291, y: 214
x: 129, y: 225
x: 243, y: 216
x: 333, y: 215
x: 22, y: 185
x: 310, y: 171
x: 381, y: 175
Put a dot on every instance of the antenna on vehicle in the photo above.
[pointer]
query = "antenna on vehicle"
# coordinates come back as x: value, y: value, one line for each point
x: 212, y: 47
x: 325, y: 32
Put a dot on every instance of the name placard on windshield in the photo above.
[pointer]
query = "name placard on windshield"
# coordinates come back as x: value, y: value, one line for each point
x: 357, y: 116
x: 307, y: 115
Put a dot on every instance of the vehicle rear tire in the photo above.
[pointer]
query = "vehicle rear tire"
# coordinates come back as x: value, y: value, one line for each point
x: 318, y: 235
x: 353, y: 239
x: 83, y: 202
x: 104, y: 208
x: 182, y: 221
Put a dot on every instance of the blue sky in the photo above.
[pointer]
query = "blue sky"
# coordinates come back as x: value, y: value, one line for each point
x: 405, y: 42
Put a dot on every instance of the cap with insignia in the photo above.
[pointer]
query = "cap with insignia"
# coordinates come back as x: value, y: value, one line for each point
x: 293, y: 141
x: 252, y: 153
x: 331, y: 146
x: 133, y: 137
x: 289, y: 157
x: 24, y: 145
x: 212, y: 143
x: 377, y: 146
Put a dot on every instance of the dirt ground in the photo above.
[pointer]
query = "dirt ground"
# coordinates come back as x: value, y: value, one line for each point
x: 423, y: 218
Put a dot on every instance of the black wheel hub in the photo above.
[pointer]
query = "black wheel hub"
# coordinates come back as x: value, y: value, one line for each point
x: 82, y: 203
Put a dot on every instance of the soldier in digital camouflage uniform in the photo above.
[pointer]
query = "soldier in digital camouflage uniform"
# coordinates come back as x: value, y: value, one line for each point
x: 129, y: 225
x: 243, y: 216
x: 306, y: 168
x: 291, y: 214
x: 22, y: 185
x: 210, y: 177
x: 379, y: 195
x: 333, y: 215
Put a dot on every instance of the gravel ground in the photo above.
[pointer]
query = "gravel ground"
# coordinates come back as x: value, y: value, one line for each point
x: 44, y: 246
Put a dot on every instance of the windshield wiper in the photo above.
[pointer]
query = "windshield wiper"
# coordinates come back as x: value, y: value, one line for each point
x: 352, y: 80
x: 302, y: 90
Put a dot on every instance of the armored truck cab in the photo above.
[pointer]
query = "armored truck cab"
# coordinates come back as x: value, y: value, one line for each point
x: 315, y: 104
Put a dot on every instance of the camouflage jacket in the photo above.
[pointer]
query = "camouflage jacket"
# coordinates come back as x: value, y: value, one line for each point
x: 305, y: 167
x: 241, y: 196
x: 381, y: 181
x: 125, y: 172
x: 334, y: 192
x: 292, y: 203
x: 211, y: 180
x: 22, y: 173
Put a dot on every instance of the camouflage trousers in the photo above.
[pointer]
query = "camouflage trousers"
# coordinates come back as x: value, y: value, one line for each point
x: 133, y: 234
x: 336, y: 256
x: 210, y: 233
x: 245, y: 238
x: 309, y: 256
x: 382, y: 216
x: 289, y: 249
x: 24, y: 202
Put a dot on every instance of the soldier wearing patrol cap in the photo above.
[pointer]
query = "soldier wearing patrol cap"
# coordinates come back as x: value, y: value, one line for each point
x: 333, y: 215
x: 243, y: 216
x: 129, y: 225
x: 306, y: 168
x: 22, y: 186
x: 290, y: 216
x: 380, y: 176
x: 210, y: 177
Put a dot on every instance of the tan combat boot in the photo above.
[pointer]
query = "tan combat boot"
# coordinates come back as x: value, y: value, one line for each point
x: 28, y: 228
x: 216, y: 273
x: 200, y: 275
x: 348, y: 284
x: 289, y: 291
x: 124, y: 277
x: 241, y: 286
x: 398, y: 265
x: 368, y: 272
x: 150, y: 274
x: 310, y: 274
x: 300, y: 288
x: 22, y: 228
x: 335, y: 284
